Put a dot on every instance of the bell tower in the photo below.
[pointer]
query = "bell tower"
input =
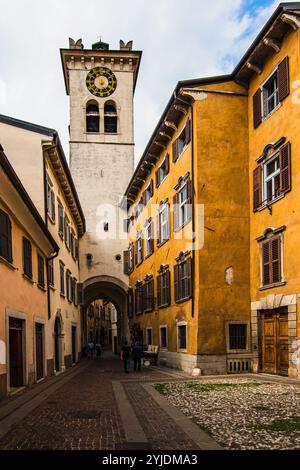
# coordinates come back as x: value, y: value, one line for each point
x: 100, y: 83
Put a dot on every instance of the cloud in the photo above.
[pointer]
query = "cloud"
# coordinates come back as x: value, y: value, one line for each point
x: 179, y: 39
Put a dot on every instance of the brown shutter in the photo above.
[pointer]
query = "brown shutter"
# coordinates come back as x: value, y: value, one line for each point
x: 167, y: 163
x: 283, y: 79
x: 176, y: 211
x: 136, y: 253
x: 189, y: 276
x: 176, y: 282
x: 152, y: 293
x: 158, y: 287
x: 5, y: 237
x: 175, y: 150
x: 275, y: 249
x: 126, y: 261
x: 266, y: 263
x: 189, y: 196
x: 80, y: 298
x: 157, y: 178
x: 142, y: 250
x: 130, y: 302
x: 257, y: 188
x: 145, y: 303
x: 152, y: 237
x: 285, y: 168
x: 188, y: 132
x: 158, y: 231
x: 151, y: 187
x: 168, y: 287
x: 257, y: 108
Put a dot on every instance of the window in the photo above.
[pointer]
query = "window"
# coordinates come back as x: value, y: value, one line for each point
x: 271, y: 93
x: 62, y: 279
x: 149, y: 231
x: 92, y: 117
x: 69, y: 285
x: 147, y: 194
x: 41, y: 271
x: 163, y: 223
x: 110, y: 118
x: 148, y: 336
x: 27, y: 258
x: 139, y: 298
x: 51, y: 273
x: 237, y: 336
x: 163, y: 288
x: 148, y: 293
x: 5, y: 237
x: 162, y: 171
x: 50, y: 199
x: 272, y: 178
x: 182, y: 203
x: 183, y: 279
x: 180, y: 144
x: 182, y: 343
x: 163, y: 337
x: 67, y: 234
x: 271, y: 261
x: 139, y: 249
x: 61, y: 220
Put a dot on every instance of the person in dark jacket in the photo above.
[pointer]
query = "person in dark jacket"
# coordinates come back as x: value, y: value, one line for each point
x: 137, y: 354
x: 125, y: 355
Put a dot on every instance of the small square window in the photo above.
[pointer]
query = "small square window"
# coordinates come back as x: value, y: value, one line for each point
x: 237, y: 336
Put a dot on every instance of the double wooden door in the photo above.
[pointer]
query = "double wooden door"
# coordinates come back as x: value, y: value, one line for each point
x: 275, y: 343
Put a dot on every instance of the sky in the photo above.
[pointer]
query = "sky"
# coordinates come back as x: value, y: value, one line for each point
x: 180, y: 39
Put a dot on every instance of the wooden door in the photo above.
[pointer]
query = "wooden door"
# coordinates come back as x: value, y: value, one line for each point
x: 275, y: 344
x: 16, y: 363
x: 39, y: 350
x: 74, y: 344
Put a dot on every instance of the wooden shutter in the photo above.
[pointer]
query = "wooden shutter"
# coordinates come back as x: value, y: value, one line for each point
x: 283, y: 79
x: 142, y: 249
x: 80, y: 296
x: 151, y: 188
x: 5, y: 237
x: 168, y: 275
x: 167, y: 163
x: 189, y: 277
x: 126, y: 261
x: 157, y: 178
x: 152, y: 293
x: 276, y: 254
x: 136, y: 252
x: 257, y: 108
x: 158, y: 228
x: 176, y: 282
x: 189, y: 198
x: 158, y: 286
x: 145, y: 300
x: 41, y: 275
x: 130, y: 302
x: 188, y: 132
x: 152, y: 237
x: 52, y: 205
x: 266, y: 275
x: 27, y: 258
x: 176, y: 211
x: 76, y: 249
x: 175, y: 150
x: 285, y: 168
x: 257, y: 188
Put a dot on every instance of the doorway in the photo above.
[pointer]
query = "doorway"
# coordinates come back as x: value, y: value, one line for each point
x: 74, y: 359
x: 39, y: 350
x: 57, y: 340
x: 275, y: 343
x: 16, y: 352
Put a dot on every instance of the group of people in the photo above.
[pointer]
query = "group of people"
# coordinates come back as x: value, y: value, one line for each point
x: 93, y: 349
x: 135, y: 351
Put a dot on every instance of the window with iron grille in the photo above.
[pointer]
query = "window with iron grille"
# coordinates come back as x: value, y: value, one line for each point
x: 27, y: 258
x: 41, y: 271
x: 237, y: 336
x: 5, y: 237
x: 182, y: 336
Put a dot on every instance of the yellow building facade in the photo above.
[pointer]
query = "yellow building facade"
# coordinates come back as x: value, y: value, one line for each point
x: 240, y: 163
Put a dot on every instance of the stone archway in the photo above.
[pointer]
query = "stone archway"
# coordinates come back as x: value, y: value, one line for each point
x: 113, y: 290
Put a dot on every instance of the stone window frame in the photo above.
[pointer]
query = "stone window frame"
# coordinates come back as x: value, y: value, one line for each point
x: 269, y: 233
x: 163, y: 348
x: 182, y: 323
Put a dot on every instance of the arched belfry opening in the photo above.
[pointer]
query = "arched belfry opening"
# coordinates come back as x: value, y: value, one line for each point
x: 105, y: 311
x: 92, y: 116
x: 110, y: 118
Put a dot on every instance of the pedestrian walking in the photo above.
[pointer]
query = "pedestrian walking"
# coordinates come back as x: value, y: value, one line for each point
x: 137, y: 354
x: 90, y: 349
x: 98, y: 349
x: 125, y: 356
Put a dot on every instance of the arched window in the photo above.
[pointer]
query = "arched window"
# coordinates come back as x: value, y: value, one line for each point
x: 5, y: 237
x: 110, y: 118
x: 92, y: 117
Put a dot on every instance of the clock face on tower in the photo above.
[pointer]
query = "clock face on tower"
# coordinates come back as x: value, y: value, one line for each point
x: 101, y: 82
